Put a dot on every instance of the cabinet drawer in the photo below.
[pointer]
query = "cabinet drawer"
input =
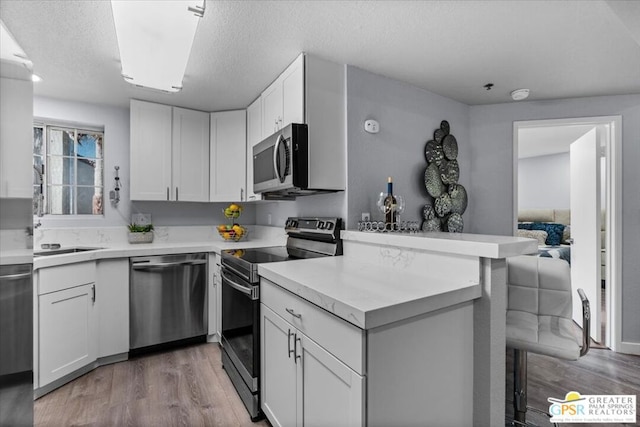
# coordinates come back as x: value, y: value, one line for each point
x: 52, y: 279
x: 342, y: 339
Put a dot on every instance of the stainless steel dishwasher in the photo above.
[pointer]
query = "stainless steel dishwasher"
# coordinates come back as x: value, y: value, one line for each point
x: 16, y: 345
x: 167, y: 299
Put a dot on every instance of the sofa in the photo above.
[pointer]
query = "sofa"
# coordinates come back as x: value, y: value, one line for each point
x: 563, y: 216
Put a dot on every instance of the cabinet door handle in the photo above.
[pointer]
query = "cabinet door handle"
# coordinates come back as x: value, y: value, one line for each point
x: 242, y: 194
x: 296, y: 356
x: 177, y: 194
x: 293, y: 313
x: 289, y: 335
x: 93, y: 294
x: 167, y: 193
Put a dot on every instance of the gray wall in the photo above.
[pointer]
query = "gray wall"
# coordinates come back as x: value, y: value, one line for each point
x: 492, y: 172
x: 330, y: 204
x: 543, y: 182
x: 15, y: 214
x: 191, y: 213
x: 407, y: 116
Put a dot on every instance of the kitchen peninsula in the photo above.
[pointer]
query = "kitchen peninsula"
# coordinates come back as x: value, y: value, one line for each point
x: 418, y: 332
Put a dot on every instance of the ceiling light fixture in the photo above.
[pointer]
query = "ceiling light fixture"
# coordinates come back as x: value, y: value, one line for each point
x: 520, y: 94
x: 155, y: 39
x: 36, y: 78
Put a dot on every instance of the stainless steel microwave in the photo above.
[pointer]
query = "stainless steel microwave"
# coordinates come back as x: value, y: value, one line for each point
x: 280, y: 163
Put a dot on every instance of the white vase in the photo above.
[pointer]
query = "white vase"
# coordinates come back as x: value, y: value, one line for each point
x: 143, y: 237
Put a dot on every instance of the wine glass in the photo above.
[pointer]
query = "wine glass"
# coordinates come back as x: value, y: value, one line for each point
x: 380, y: 203
x: 399, y: 209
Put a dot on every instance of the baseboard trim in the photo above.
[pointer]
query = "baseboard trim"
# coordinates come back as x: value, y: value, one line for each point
x: 629, y: 348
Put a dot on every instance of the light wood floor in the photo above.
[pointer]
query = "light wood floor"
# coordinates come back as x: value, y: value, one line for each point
x: 600, y: 371
x: 181, y: 387
x: 188, y: 387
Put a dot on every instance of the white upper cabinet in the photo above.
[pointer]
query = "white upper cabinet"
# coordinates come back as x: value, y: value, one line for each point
x: 169, y: 153
x: 16, y: 138
x: 312, y: 91
x: 228, y: 156
x: 254, y: 136
x: 150, y: 148
x: 190, y: 155
x: 283, y: 100
x: 293, y: 93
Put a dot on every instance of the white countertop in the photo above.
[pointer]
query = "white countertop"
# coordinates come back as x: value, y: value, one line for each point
x: 366, y: 295
x: 126, y: 250
x: 481, y: 245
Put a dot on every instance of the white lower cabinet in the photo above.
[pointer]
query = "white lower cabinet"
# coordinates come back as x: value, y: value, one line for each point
x: 302, y: 383
x: 112, y: 301
x: 319, y: 370
x: 68, y: 338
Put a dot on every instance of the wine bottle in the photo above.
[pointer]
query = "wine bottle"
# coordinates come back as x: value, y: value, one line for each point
x: 390, y: 206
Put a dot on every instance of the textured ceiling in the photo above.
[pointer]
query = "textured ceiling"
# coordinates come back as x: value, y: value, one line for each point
x: 558, y: 49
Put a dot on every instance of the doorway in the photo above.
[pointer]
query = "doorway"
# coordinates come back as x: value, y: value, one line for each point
x: 546, y: 142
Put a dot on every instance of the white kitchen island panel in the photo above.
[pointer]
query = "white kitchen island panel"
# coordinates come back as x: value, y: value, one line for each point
x: 432, y: 306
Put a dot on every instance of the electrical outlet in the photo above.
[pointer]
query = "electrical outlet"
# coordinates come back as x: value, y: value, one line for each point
x: 366, y: 216
x: 141, y: 218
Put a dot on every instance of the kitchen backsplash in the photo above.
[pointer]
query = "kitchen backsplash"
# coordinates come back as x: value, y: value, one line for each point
x: 119, y: 235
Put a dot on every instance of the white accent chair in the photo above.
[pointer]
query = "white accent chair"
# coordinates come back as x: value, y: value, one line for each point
x: 539, y: 319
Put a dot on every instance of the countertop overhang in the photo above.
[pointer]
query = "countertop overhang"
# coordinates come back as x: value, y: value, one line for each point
x: 480, y: 245
x: 366, y: 295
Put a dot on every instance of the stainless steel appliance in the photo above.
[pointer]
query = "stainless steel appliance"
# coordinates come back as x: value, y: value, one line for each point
x: 16, y: 345
x: 307, y: 238
x: 167, y: 299
x: 283, y: 168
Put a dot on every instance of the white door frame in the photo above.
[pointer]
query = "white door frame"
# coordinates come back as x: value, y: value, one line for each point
x: 613, y: 338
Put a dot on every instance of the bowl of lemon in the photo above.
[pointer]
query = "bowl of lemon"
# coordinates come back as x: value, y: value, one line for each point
x: 232, y: 232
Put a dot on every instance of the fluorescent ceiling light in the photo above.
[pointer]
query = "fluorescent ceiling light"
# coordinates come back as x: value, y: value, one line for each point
x: 10, y: 50
x: 155, y: 39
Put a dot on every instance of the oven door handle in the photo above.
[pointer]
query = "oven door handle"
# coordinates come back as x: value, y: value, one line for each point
x: 237, y: 286
x: 244, y: 276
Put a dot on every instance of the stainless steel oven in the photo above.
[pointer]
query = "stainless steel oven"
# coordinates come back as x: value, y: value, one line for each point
x: 240, y: 334
x: 307, y: 238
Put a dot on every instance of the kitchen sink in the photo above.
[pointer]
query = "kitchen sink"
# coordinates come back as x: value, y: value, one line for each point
x: 62, y: 251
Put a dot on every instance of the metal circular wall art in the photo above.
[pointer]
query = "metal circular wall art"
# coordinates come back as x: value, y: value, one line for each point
x: 428, y: 212
x: 450, y: 173
x: 441, y: 181
x: 432, y: 180
x: 433, y: 151
x: 450, y: 147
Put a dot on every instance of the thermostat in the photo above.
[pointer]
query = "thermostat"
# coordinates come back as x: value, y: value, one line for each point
x: 371, y: 126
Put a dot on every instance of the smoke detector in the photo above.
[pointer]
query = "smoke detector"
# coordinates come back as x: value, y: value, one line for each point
x: 520, y: 94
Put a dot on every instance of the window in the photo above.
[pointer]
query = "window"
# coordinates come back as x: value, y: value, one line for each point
x: 68, y: 170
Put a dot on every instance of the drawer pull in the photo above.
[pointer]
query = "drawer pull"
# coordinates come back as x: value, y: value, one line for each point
x: 293, y: 313
x: 289, y: 335
x: 296, y: 356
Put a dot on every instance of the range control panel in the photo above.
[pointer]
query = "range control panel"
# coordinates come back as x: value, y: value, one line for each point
x: 314, y: 226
